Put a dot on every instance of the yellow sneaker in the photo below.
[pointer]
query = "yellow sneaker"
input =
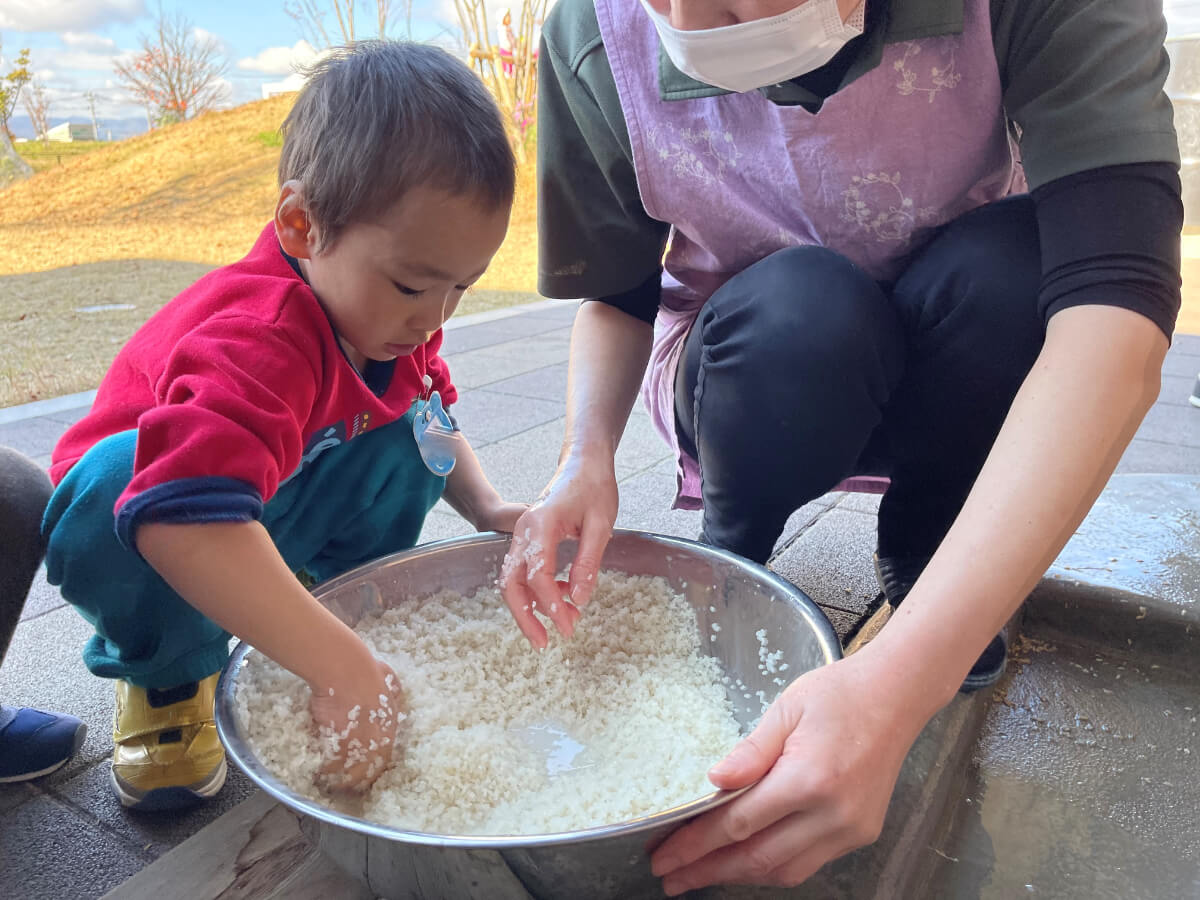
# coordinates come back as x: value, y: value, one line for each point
x: 166, y: 753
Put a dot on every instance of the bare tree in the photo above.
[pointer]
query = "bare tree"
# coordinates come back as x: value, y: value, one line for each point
x: 37, y: 104
x: 310, y: 16
x: 178, y: 73
x: 511, y: 70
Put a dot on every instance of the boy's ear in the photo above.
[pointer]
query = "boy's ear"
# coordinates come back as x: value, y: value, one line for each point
x: 295, y: 230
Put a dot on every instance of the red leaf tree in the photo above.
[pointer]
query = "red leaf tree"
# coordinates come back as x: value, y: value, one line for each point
x: 178, y: 73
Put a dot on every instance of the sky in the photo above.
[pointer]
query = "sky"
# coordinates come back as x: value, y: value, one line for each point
x: 74, y: 43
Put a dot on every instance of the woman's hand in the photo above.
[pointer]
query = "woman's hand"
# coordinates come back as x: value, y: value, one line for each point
x: 580, y: 502
x: 828, y: 753
x: 362, y: 706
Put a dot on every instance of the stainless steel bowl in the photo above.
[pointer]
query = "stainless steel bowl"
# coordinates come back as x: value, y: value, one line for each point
x: 606, y: 863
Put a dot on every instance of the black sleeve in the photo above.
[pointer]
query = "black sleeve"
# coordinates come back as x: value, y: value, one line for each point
x: 641, y: 302
x: 594, y: 236
x: 1110, y: 236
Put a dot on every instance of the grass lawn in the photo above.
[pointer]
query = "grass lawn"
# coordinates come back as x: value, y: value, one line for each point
x: 42, y: 157
x: 60, y: 329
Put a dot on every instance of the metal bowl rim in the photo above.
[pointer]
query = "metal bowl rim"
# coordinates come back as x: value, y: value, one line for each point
x: 238, y: 748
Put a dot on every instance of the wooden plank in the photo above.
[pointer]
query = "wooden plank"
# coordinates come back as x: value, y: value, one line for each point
x: 255, y: 851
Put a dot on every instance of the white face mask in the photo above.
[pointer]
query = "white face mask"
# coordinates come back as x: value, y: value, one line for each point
x: 754, y: 54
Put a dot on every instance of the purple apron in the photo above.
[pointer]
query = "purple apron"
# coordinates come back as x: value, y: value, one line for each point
x: 914, y: 143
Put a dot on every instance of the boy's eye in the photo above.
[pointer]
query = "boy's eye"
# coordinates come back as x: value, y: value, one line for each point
x: 404, y: 289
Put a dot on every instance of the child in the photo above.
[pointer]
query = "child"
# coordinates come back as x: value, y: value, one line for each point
x: 260, y: 425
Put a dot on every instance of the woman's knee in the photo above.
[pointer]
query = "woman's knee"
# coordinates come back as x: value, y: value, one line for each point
x: 24, y: 491
x: 803, y: 311
x: 983, y: 270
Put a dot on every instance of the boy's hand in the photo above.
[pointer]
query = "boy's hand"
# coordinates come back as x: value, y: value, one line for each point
x: 501, y: 517
x: 362, y: 710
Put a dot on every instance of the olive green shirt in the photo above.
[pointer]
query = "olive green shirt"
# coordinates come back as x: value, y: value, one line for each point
x: 1082, y: 85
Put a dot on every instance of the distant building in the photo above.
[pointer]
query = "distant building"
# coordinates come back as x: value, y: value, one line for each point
x: 72, y: 131
x: 289, y: 85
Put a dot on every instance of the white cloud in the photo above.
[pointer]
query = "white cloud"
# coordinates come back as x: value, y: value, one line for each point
x: 203, y: 34
x: 279, y: 60
x: 78, y: 40
x: 63, y: 15
x: 76, y: 59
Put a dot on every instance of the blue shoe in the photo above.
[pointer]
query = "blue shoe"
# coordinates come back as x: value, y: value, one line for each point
x: 35, y: 743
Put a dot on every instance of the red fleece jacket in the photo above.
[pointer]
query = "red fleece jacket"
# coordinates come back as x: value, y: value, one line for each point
x: 239, y: 377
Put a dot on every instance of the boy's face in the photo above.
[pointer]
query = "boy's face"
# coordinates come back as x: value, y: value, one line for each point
x: 388, y: 285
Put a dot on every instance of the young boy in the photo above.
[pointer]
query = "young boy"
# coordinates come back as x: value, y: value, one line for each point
x: 260, y: 425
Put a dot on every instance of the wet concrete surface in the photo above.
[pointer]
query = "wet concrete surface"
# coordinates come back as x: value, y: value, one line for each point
x: 1084, y: 782
x: 1141, y: 537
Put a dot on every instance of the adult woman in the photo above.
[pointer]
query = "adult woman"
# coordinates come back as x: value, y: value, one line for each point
x: 856, y: 284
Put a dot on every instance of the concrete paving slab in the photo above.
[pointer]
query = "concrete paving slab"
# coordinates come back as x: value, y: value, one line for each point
x: 1185, y: 344
x: 440, y: 526
x: 42, y: 597
x: 13, y: 795
x: 487, y: 416
x: 46, y: 407
x: 1142, y: 456
x: 802, y: 519
x: 33, y: 437
x: 520, y: 466
x: 831, y: 561
x: 841, y: 620
x: 44, y: 668
x: 1185, y: 365
x: 154, y: 833
x: 561, y: 312
x: 498, y: 331
x: 640, y: 447
x: 646, y: 506
x: 479, y: 368
x: 666, y: 466
x: 862, y: 503
x: 549, y: 383
x: 1176, y: 425
x: 1175, y: 390
x: 1141, y: 537
x: 70, y: 416
x: 52, y: 852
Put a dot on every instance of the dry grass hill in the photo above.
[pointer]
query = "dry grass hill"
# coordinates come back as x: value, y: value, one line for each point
x: 92, y: 247
x: 199, y: 191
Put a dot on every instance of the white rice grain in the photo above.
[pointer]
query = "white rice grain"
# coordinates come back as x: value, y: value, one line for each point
x: 645, y: 703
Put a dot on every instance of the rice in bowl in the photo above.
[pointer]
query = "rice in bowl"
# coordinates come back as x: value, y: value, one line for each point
x: 621, y: 721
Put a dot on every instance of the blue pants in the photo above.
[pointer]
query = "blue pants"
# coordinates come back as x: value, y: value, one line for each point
x: 802, y: 370
x: 355, y: 502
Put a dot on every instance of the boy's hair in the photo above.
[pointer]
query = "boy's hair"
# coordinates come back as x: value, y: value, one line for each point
x: 378, y: 118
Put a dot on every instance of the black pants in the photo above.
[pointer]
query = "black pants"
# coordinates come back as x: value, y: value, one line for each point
x: 802, y: 370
